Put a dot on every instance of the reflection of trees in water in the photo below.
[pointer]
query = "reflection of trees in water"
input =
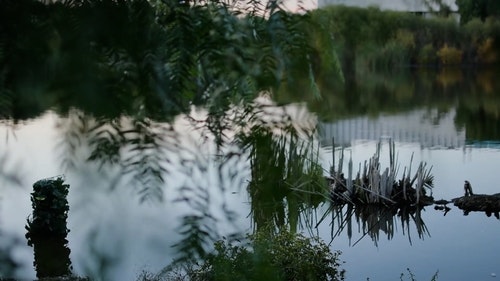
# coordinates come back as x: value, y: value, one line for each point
x: 163, y: 162
x: 355, y: 221
x: 182, y: 157
x: 375, y: 198
x: 286, y: 177
x: 292, y: 193
x: 374, y: 93
x: 376, y: 220
x: 480, y: 119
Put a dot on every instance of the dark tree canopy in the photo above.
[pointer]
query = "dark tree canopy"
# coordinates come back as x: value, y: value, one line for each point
x: 159, y: 57
x: 482, y: 9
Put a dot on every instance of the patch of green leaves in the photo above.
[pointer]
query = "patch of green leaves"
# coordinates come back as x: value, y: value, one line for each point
x: 50, y: 209
x: 272, y: 256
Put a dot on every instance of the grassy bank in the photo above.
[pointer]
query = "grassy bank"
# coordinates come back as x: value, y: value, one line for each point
x: 379, y: 39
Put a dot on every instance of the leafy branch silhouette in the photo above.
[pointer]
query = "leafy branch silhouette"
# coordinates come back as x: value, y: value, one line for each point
x: 124, y: 71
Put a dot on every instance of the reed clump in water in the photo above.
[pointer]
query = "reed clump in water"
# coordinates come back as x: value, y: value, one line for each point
x: 372, y: 185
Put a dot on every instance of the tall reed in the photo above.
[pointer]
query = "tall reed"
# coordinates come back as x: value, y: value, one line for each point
x: 372, y: 184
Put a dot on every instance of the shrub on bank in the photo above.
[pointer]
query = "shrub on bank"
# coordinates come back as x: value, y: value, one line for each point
x: 427, y: 55
x: 397, y: 51
x: 281, y: 256
x: 449, y: 55
x: 486, y: 52
x: 391, y: 54
x: 384, y: 39
x: 268, y: 255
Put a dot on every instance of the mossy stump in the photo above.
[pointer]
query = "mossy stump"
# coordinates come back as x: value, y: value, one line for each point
x: 46, y: 229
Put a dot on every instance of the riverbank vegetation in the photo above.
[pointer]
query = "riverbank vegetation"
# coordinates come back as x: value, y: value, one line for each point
x: 381, y: 40
x: 159, y: 58
x: 266, y: 255
x: 392, y: 61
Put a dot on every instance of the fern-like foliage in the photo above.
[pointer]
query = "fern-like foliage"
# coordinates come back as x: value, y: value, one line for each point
x: 129, y: 68
x: 153, y: 58
x: 109, y: 57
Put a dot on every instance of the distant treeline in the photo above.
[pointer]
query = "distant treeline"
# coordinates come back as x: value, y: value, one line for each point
x: 379, y: 39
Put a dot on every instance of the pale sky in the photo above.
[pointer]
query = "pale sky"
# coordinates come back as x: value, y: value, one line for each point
x: 296, y: 5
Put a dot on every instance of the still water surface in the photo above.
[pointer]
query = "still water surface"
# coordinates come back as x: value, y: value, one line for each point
x: 448, y: 118
x: 459, y: 247
x: 460, y: 142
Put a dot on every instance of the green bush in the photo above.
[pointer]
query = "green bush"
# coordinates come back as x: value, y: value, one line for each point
x: 449, y: 55
x: 486, y: 51
x: 427, y: 55
x: 397, y: 51
x: 406, y: 38
x: 444, y: 31
x: 281, y: 256
x: 474, y: 30
x: 492, y: 30
x: 392, y: 54
x: 50, y: 209
x: 492, y: 26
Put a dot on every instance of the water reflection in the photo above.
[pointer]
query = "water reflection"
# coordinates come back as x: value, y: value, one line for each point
x: 107, y: 221
x: 118, y: 144
x: 376, y: 221
x: 379, y: 93
x: 178, y: 167
x: 428, y: 127
x: 297, y: 203
x: 392, y: 246
x: 453, y: 140
x: 286, y: 179
x: 456, y: 152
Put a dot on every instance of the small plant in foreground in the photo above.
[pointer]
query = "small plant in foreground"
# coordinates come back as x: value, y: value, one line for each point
x: 272, y: 256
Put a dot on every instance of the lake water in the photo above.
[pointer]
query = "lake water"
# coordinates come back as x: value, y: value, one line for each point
x: 456, y: 131
x: 449, y: 119
x: 459, y: 247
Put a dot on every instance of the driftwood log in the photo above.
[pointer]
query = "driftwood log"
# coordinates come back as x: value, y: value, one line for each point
x: 479, y: 202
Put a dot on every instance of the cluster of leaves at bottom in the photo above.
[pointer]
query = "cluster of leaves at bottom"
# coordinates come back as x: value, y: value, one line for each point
x: 272, y: 256
x: 50, y: 209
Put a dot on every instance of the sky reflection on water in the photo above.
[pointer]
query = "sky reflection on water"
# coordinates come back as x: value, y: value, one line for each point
x: 460, y: 247
x: 109, y: 226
